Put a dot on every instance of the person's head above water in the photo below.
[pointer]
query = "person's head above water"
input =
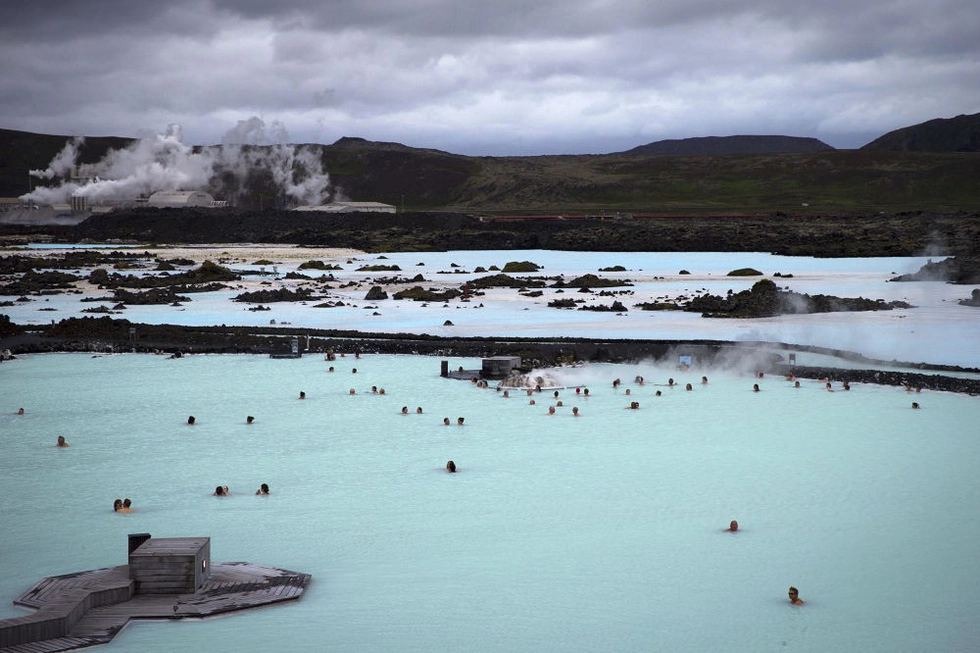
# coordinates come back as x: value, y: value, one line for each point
x: 794, y: 596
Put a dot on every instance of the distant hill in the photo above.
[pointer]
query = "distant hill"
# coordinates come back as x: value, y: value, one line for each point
x: 719, y: 145
x: 416, y: 179
x: 959, y: 134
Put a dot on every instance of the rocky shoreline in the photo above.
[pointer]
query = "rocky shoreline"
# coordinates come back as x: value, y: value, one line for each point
x: 106, y: 335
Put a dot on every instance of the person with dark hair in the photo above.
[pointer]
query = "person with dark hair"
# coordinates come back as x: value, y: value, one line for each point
x: 794, y: 596
x: 61, y: 441
x: 220, y: 491
x: 732, y: 527
x: 191, y: 420
x: 263, y: 489
x: 451, y: 467
x: 127, y: 505
x: 117, y: 505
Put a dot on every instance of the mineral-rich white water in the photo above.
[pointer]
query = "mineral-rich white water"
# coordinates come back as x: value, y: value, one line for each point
x: 937, y: 330
x: 597, y: 533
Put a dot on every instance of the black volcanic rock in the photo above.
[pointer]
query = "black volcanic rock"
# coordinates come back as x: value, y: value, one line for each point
x: 765, y: 299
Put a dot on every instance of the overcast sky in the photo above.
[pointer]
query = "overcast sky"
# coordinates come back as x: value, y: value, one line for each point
x: 496, y: 77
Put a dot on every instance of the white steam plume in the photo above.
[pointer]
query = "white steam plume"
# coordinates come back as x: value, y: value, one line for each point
x: 162, y: 162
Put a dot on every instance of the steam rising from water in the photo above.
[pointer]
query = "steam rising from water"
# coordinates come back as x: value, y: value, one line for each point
x: 248, y: 156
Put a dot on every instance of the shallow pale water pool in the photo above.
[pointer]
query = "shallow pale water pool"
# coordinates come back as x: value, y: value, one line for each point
x: 597, y: 533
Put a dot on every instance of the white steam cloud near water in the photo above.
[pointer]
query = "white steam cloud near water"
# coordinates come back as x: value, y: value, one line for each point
x: 162, y: 162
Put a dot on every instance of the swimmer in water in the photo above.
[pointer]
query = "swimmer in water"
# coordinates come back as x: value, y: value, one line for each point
x: 657, y: 393
x: 302, y: 395
x: 219, y: 491
x: 117, y: 505
x: 732, y: 527
x: 418, y: 410
x: 445, y: 421
x: 796, y: 384
x: 915, y: 405
x: 689, y: 387
x: 191, y: 420
x: 704, y: 380
x: 755, y: 387
x: 459, y: 421
x: 531, y: 403
x: 127, y: 505
x: 574, y: 411
x: 451, y: 467
x: 551, y: 410
x: 353, y: 391
x: 829, y: 386
x: 61, y: 441
x: 794, y: 596
x: 20, y: 411
x: 670, y: 382
x: 586, y: 392
x: 404, y: 410
x: 249, y: 419
x: 263, y: 489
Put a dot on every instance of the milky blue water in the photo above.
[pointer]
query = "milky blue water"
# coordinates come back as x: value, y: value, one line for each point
x: 596, y: 533
x: 937, y: 330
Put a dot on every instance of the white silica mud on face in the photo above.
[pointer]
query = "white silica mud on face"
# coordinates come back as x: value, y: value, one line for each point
x: 557, y: 533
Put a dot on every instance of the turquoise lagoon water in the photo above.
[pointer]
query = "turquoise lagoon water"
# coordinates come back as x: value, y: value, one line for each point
x: 938, y: 330
x: 596, y: 533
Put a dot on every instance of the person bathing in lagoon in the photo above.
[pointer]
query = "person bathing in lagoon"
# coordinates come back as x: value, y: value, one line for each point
x: 404, y: 410
x: 61, y: 441
x: 249, y: 419
x: 704, y: 380
x: 191, y: 420
x: 732, y: 527
x: 117, y: 505
x: 127, y: 505
x: 755, y: 387
x: 221, y: 491
x: 459, y: 421
x: 829, y: 387
x: 915, y: 405
x: 418, y: 410
x: 451, y: 467
x: 689, y: 387
x: 263, y: 489
x: 302, y: 395
x: 574, y: 411
x: 551, y: 410
x: 20, y: 411
x: 794, y: 596
x: 445, y: 421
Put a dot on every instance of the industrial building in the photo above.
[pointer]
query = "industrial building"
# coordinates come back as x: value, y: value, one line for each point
x: 179, y: 199
x: 350, y: 207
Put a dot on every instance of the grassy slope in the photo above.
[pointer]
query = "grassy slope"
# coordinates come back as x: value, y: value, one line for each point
x: 840, y: 181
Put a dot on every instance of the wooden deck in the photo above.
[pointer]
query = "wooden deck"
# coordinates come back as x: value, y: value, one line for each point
x: 89, y: 608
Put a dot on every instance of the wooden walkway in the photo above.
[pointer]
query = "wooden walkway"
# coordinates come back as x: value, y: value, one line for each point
x: 231, y: 586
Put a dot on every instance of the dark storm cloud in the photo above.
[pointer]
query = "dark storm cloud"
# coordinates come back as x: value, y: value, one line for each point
x: 500, y: 77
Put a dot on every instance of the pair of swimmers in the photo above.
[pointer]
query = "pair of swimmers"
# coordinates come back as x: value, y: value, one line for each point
x: 794, y: 594
x: 122, y: 505
x: 459, y: 421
